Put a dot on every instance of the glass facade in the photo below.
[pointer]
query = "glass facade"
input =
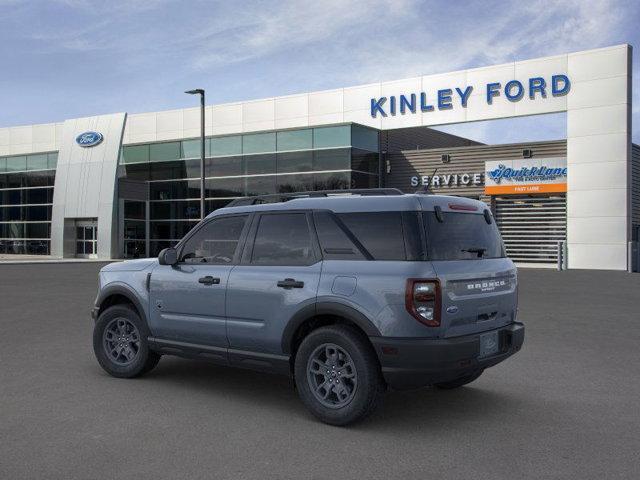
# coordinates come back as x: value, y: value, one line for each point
x: 26, y: 197
x: 319, y: 158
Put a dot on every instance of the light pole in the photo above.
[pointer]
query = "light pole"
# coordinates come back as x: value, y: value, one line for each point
x: 200, y: 91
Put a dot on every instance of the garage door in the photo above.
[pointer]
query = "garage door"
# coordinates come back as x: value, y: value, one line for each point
x: 531, y: 227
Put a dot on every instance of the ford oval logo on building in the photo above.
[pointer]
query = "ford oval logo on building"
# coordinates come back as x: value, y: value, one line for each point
x: 89, y: 139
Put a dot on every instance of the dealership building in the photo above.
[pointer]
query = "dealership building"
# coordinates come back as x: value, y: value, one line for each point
x: 127, y: 185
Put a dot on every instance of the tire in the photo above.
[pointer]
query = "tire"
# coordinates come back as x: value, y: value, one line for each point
x: 132, y: 357
x: 353, y: 390
x: 459, y: 382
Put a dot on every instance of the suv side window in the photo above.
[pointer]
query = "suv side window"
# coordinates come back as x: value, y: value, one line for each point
x: 283, y: 239
x: 334, y: 241
x: 381, y: 233
x: 216, y: 242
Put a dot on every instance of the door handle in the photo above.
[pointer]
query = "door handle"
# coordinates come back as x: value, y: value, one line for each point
x: 289, y: 283
x: 209, y: 280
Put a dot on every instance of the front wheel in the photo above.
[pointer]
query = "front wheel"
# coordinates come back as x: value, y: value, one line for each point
x: 120, y: 343
x: 337, y: 375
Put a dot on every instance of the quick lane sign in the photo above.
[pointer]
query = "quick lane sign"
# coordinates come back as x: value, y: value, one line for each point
x: 529, y: 175
x: 445, y: 99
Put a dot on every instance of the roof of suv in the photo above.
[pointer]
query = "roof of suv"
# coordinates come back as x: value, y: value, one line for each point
x: 371, y: 203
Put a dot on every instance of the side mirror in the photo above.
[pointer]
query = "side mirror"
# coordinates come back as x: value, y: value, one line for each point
x: 168, y: 256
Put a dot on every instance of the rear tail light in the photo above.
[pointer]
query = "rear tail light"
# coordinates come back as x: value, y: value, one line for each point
x: 422, y: 299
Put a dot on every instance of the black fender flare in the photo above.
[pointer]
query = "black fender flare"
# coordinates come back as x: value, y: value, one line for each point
x: 326, y: 308
x: 125, y: 291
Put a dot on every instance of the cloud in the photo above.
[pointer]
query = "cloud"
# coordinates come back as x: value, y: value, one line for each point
x: 257, y: 48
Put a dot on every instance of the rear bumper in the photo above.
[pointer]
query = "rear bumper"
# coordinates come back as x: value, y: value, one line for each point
x: 416, y: 362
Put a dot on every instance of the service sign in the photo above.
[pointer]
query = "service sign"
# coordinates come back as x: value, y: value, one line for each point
x: 526, y: 175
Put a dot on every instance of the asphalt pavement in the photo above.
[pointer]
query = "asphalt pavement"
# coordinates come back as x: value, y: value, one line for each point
x: 566, y: 406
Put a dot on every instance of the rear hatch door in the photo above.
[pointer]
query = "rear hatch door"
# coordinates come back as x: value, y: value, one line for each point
x: 478, y: 283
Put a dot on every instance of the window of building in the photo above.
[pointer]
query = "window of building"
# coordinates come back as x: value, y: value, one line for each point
x: 283, y: 239
x: 379, y: 232
x: 37, y: 162
x: 364, y: 138
x: 224, y: 146
x: 327, y: 137
x: 224, y: 166
x: 260, y: 164
x: 259, y: 143
x: 216, y: 242
x: 295, y: 162
x: 332, y: 181
x: 224, y: 187
x: 160, y: 152
x: 295, y: 183
x: 135, y: 154
x: 260, y: 185
x: 52, y: 160
x: 192, y: 148
x: 339, y: 159
x: 16, y: 164
x: 295, y: 140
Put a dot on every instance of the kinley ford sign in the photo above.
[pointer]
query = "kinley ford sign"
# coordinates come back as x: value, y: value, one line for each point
x: 445, y: 99
x: 503, y: 177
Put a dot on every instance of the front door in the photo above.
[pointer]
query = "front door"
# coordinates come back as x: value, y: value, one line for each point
x: 278, y: 276
x: 86, y: 239
x: 187, y: 300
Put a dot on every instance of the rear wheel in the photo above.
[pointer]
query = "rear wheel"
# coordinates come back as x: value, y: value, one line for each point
x: 337, y: 375
x: 459, y: 382
x: 120, y: 343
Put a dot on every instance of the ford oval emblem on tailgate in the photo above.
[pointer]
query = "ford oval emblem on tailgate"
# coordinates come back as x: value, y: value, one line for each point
x: 452, y: 309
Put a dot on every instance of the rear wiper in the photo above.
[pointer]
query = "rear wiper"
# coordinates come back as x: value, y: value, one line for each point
x: 479, y: 251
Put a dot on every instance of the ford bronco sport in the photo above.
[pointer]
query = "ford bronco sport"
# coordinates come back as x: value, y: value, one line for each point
x: 348, y: 294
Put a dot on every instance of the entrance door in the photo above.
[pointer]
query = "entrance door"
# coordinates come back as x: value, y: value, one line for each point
x: 87, y: 239
x: 532, y: 226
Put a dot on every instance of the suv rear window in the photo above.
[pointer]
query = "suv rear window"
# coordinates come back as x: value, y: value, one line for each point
x: 462, y: 236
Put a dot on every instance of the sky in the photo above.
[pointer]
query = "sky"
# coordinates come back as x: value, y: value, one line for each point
x: 72, y: 58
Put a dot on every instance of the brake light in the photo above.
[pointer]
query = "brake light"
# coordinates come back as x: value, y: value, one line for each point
x: 466, y: 208
x: 422, y: 300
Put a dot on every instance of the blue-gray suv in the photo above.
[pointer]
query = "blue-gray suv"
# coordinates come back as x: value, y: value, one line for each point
x: 348, y: 294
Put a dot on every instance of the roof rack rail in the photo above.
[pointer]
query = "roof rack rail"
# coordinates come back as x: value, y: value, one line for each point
x: 285, y: 197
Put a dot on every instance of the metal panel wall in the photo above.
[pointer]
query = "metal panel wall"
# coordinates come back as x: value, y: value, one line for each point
x: 635, y: 184
x: 532, y: 226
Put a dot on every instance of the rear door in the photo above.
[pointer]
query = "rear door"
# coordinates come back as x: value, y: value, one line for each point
x: 278, y: 276
x: 478, y: 282
x: 187, y: 300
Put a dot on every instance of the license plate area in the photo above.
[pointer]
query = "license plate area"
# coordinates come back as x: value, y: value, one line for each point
x: 489, y: 344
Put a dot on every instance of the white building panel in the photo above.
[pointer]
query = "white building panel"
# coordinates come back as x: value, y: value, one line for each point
x: 292, y: 107
x: 601, y: 256
x: 597, y: 120
x: 599, y: 63
x: 587, y: 204
x: 359, y: 98
x: 326, y: 103
x: 598, y: 93
x: 597, y: 148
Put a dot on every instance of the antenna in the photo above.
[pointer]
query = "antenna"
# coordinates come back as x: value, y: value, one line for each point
x: 426, y: 189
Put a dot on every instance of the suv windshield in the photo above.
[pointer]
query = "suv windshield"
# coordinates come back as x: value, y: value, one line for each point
x: 462, y: 236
